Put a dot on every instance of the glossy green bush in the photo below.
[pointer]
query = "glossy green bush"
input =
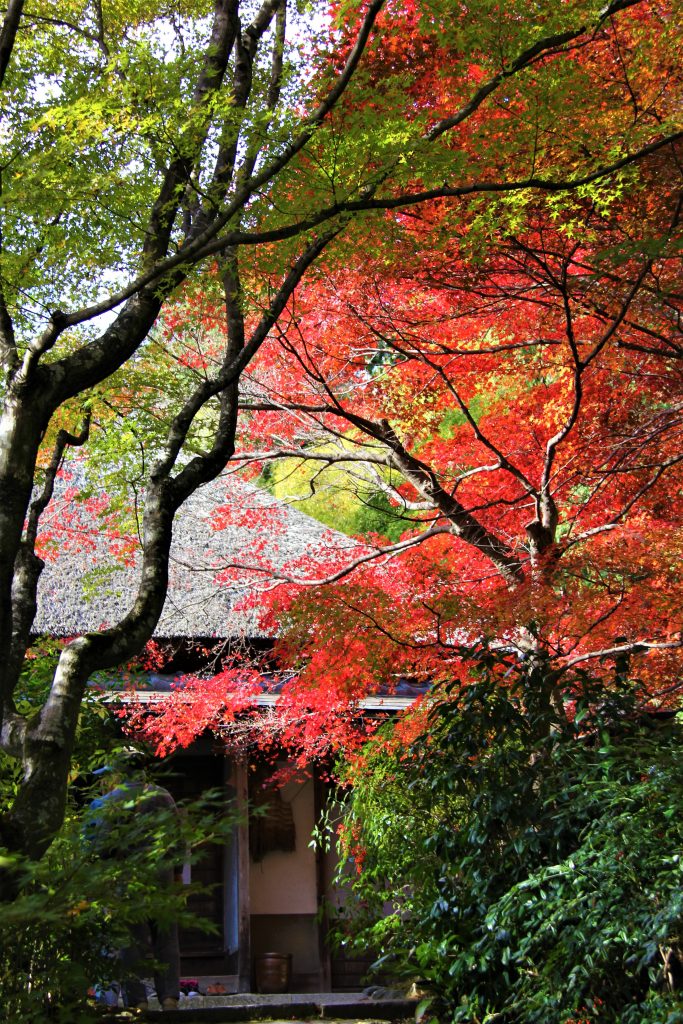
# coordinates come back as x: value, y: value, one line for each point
x: 532, y: 861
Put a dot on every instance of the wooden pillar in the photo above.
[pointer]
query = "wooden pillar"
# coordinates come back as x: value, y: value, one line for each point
x: 319, y: 803
x: 244, y: 912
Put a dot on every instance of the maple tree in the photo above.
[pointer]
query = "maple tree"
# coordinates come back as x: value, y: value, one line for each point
x: 144, y: 143
x: 496, y: 394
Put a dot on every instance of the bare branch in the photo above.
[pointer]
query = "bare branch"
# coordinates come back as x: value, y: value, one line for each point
x: 547, y: 46
x: 385, y: 553
x: 463, y: 523
x: 636, y: 647
x: 309, y: 455
x: 64, y: 439
x: 228, y: 374
x: 92, y: 37
x: 626, y: 508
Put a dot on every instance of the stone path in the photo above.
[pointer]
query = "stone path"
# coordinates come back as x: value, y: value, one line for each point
x: 282, y: 1009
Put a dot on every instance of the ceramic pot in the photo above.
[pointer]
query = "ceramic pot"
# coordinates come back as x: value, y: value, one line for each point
x: 273, y: 972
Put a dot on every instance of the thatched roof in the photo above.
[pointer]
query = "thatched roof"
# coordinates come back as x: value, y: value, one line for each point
x: 91, y: 574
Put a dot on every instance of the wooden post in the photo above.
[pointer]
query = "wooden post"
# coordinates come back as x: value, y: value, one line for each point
x: 319, y: 802
x: 244, y: 923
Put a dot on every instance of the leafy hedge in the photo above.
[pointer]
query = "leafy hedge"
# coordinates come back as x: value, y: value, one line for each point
x: 531, y: 860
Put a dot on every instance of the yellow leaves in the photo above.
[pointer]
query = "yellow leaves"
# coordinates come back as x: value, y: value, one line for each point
x: 143, y: 12
x: 91, y: 117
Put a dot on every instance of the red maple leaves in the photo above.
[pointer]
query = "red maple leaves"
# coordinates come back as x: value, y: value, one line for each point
x: 502, y: 379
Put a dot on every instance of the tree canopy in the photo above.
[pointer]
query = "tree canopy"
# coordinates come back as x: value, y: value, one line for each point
x: 489, y: 395
x: 346, y: 196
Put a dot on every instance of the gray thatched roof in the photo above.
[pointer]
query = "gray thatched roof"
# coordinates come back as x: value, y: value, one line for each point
x: 91, y: 574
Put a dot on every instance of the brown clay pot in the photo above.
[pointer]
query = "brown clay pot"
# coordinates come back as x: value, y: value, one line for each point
x: 273, y: 972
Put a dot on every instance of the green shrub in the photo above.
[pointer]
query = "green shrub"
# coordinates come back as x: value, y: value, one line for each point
x: 531, y: 862
x: 54, y: 939
x: 59, y: 936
